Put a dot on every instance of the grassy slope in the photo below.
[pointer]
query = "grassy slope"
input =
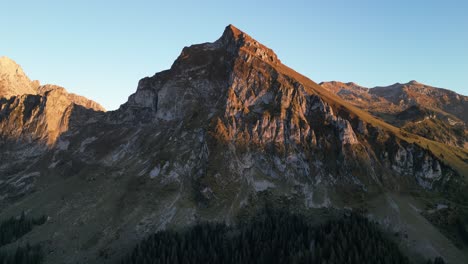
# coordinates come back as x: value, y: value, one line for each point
x: 416, y: 233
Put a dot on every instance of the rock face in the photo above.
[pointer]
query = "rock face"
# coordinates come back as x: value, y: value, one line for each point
x: 40, y: 118
x: 435, y: 113
x: 226, y: 125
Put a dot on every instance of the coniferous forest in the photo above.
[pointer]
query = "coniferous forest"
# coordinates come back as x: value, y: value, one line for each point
x: 13, y: 229
x: 22, y: 255
x: 272, y: 237
x: 16, y: 227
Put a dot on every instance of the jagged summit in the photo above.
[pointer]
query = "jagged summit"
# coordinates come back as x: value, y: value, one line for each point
x: 13, y: 80
x: 238, y: 40
x: 237, y: 43
x: 232, y: 32
x: 197, y: 63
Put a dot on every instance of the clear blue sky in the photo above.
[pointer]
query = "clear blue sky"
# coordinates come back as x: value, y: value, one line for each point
x: 100, y: 49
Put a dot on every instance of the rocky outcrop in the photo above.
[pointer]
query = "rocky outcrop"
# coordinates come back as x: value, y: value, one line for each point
x: 45, y: 90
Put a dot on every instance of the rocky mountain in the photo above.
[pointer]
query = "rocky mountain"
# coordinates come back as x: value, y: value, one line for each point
x: 435, y: 113
x: 227, y: 126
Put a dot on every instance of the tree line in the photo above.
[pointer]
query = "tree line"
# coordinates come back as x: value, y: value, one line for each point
x: 273, y: 236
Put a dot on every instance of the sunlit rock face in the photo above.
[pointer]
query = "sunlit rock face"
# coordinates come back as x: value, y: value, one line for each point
x: 42, y: 117
x: 33, y: 113
x: 226, y: 125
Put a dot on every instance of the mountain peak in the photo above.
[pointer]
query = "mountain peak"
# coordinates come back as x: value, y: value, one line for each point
x: 10, y: 67
x: 235, y: 39
x: 237, y: 45
x: 233, y: 32
x: 413, y: 82
x: 13, y: 80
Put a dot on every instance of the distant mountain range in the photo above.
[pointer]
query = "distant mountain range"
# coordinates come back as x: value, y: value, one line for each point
x: 434, y: 113
x: 226, y: 127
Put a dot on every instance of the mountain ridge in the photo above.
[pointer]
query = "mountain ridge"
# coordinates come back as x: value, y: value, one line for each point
x: 32, y: 112
x: 446, y: 110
